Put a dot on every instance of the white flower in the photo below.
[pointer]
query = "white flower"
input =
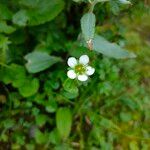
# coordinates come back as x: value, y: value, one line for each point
x: 79, y: 68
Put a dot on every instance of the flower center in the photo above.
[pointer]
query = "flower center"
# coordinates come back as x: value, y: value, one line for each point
x: 80, y: 69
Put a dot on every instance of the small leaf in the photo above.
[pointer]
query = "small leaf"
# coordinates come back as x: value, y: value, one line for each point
x: 6, y: 28
x: 108, y: 124
x: 29, y: 88
x: 41, y: 120
x: 40, y: 137
x: 103, y: 46
x: 63, y: 122
x: 51, y: 106
x: 88, y: 26
x: 69, y: 86
x: 134, y: 145
x: 39, y: 61
x: 4, y: 46
x: 21, y: 18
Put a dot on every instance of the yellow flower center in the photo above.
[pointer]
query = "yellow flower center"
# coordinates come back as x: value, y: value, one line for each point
x: 80, y: 69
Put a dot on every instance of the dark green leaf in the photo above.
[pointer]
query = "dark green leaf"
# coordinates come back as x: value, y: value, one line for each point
x: 38, y: 12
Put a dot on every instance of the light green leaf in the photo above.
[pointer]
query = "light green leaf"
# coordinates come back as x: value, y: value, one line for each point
x: 21, y: 18
x: 133, y: 145
x: 4, y: 46
x: 64, y: 122
x: 39, y: 61
x: 41, y: 120
x: 88, y: 26
x: 103, y: 46
x: 40, y: 137
x: 29, y: 88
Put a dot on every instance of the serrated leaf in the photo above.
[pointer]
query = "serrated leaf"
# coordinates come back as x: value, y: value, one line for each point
x: 88, y: 26
x: 103, y: 46
x: 39, y: 61
x: 64, y: 122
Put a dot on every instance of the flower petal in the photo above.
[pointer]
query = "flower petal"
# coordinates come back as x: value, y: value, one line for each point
x: 84, y: 59
x: 82, y: 77
x: 90, y: 70
x: 72, y: 62
x: 71, y: 74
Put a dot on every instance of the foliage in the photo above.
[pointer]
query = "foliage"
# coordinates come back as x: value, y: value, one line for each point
x: 40, y: 108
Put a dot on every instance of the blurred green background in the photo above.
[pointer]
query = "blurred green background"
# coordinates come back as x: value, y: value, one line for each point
x: 43, y: 110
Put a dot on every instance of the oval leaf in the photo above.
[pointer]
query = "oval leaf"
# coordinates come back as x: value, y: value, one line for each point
x: 88, y: 26
x: 39, y: 61
x: 30, y: 87
x: 64, y: 122
x: 70, y: 86
x: 103, y: 46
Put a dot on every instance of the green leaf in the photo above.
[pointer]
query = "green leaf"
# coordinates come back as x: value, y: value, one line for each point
x: 54, y: 137
x: 108, y: 124
x: 41, y: 120
x: 51, y: 106
x: 8, y: 123
x: 70, y: 95
x: 103, y: 46
x: 4, y: 46
x: 5, y: 13
x: 40, y: 137
x: 6, y: 28
x: 70, y: 86
x: 14, y: 74
x: 38, y: 11
x: 21, y: 18
x: 39, y: 61
x: 64, y: 122
x: 134, y: 145
x: 88, y: 26
x: 29, y: 88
